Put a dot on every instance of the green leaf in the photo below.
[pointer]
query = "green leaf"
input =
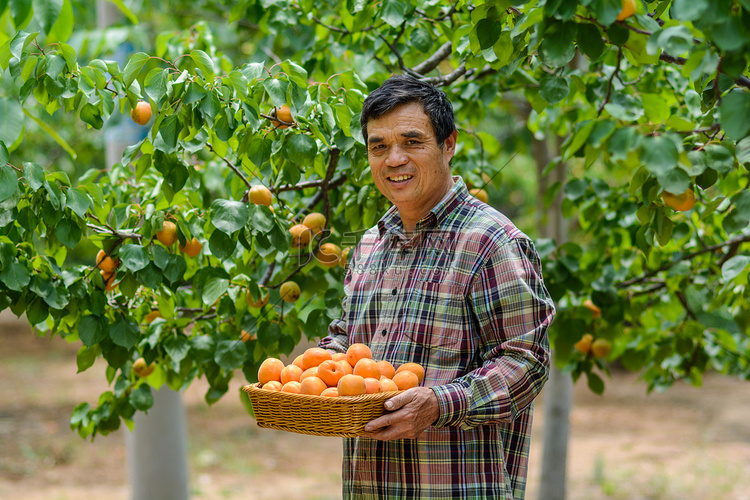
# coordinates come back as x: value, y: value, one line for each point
x: 688, y: 10
x: 46, y: 12
x: 488, y: 32
x: 79, y: 414
x: 553, y: 89
x: 228, y: 216
x: 134, y: 66
x: 134, y: 257
x: 92, y: 115
x: 659, y: 155
x: 68, y: 232
x: 734, y: 110
x: 86, y: 357
x: 300, y: 149
x: 421, y: 39
x: 213, y: 289
x: 11, y: 124
x: 263, y: 219
x: 606, y: 11
x: 78, y: 201
x: 393, y: 12
x: 4, y: 154
x: 21, y: 12
x: 296, y: 73
x: 177, y: 347
x: 595, y: 383
x: 204, y: 63
x: 124, y: 333
x: 276, y: 90
x: 142, y: 399
x: 63, y: 27
x: 34, y: 175
x: 175, y: 269
x: 156, y: 83
x: 230, y: 354
x: 590, y: 41
x: 15, y: 276
x: 126, y: 11
x: 8, y: 182
x: 92, y: 330
x: 222, y: 245
x: 734, y: 267
x: 558, y: 47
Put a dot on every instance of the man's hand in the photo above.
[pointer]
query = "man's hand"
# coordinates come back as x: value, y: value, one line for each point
x: 415, y: 410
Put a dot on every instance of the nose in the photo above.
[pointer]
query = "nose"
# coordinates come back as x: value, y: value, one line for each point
x: 396, y: 156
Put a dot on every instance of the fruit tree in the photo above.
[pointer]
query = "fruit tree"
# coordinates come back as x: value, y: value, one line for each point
x: 250, y: 117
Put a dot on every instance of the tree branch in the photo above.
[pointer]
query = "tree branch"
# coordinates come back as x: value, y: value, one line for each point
x: 232, y: 166
x: 439, y: 81
x: 650, y: 274
x: 434, y: 60
x: 611, y: 79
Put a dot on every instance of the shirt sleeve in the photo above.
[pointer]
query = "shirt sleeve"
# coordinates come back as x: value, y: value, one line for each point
x: 512, y: 311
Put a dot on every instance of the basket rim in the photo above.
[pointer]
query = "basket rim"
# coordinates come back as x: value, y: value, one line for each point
x: 255, y: 388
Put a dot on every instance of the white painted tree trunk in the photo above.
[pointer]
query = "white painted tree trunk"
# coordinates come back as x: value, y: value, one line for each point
x: 157, y: 446
x: 558, y: 393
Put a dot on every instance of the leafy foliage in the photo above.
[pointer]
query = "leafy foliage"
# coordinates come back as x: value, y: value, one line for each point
x: 651, y: 103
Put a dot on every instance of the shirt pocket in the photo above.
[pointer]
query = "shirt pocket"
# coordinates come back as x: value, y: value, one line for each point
x: 436, y: 315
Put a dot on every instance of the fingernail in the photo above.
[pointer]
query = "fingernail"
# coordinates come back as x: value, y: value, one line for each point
x: 388, y: 405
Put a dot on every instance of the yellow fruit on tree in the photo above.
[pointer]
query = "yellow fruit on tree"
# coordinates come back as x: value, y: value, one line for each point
x: 595, y: 310
x: 151, y: 316
x: 328, y: 254
x: 142, y: 369
x: 284, y: 114
x: 315, y: 221
x: 260, y: 195
x: 168, y: 234
x: 141, y: 113
x: 479, y: 194
x: 344, y: 259
x: 628, y: 9
x: 680, y: 203
x: 109, y: 280
x: 301, y: 235
x: 601, y: 348
x: 192, y: 248
x: 584, y: 345
x: 105, y: 262
x: 245, y: 336
x: 263, y: 300
x: 290, y: 291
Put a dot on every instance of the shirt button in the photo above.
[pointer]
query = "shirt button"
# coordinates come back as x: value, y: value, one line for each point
x: 394, y: 292
x: 384, y: 332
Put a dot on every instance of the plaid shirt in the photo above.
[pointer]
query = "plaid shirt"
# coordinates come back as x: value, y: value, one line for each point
x: 465, y: 298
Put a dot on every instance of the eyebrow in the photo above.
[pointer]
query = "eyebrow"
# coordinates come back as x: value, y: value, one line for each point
x: 411, y: 134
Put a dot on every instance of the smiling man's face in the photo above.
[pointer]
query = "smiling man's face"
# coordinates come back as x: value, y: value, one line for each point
x: 407, y: 164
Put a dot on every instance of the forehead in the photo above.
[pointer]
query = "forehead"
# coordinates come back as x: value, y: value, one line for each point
x: 405, y: 120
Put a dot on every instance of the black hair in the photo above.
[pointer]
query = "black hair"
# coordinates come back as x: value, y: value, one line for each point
x: 404, y: 89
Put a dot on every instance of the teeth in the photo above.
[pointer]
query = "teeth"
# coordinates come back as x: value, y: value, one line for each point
x: 401, y: 178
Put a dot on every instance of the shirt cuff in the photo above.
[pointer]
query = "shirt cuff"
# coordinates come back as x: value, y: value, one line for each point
x: 453, y: 402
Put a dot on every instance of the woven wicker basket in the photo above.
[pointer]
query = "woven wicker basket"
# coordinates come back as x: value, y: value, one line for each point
x: 343, y: 416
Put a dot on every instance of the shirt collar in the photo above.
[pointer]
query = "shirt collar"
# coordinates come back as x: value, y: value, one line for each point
x: 391, y: 220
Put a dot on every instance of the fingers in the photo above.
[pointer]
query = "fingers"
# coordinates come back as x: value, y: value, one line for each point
x: 414, y: 411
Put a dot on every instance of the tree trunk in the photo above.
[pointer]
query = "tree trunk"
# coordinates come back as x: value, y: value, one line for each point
x: 558, y: 393
x: 157, y: 446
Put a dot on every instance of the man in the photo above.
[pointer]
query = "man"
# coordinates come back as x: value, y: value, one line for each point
x: 446, y: 281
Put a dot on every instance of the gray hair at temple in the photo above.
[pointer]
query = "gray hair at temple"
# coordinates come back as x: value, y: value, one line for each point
x: 404, y: 89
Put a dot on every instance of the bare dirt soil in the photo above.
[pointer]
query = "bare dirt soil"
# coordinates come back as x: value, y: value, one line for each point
x: 684, y: 444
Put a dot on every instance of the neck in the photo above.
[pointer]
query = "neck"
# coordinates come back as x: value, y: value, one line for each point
x: 410, y: 217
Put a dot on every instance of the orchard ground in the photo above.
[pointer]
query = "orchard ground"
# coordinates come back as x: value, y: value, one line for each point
x: 684, y: 444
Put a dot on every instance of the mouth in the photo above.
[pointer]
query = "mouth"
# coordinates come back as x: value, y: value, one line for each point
x: 400, y: 178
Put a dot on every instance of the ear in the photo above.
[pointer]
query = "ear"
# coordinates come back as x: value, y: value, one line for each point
x: 449, y: 146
